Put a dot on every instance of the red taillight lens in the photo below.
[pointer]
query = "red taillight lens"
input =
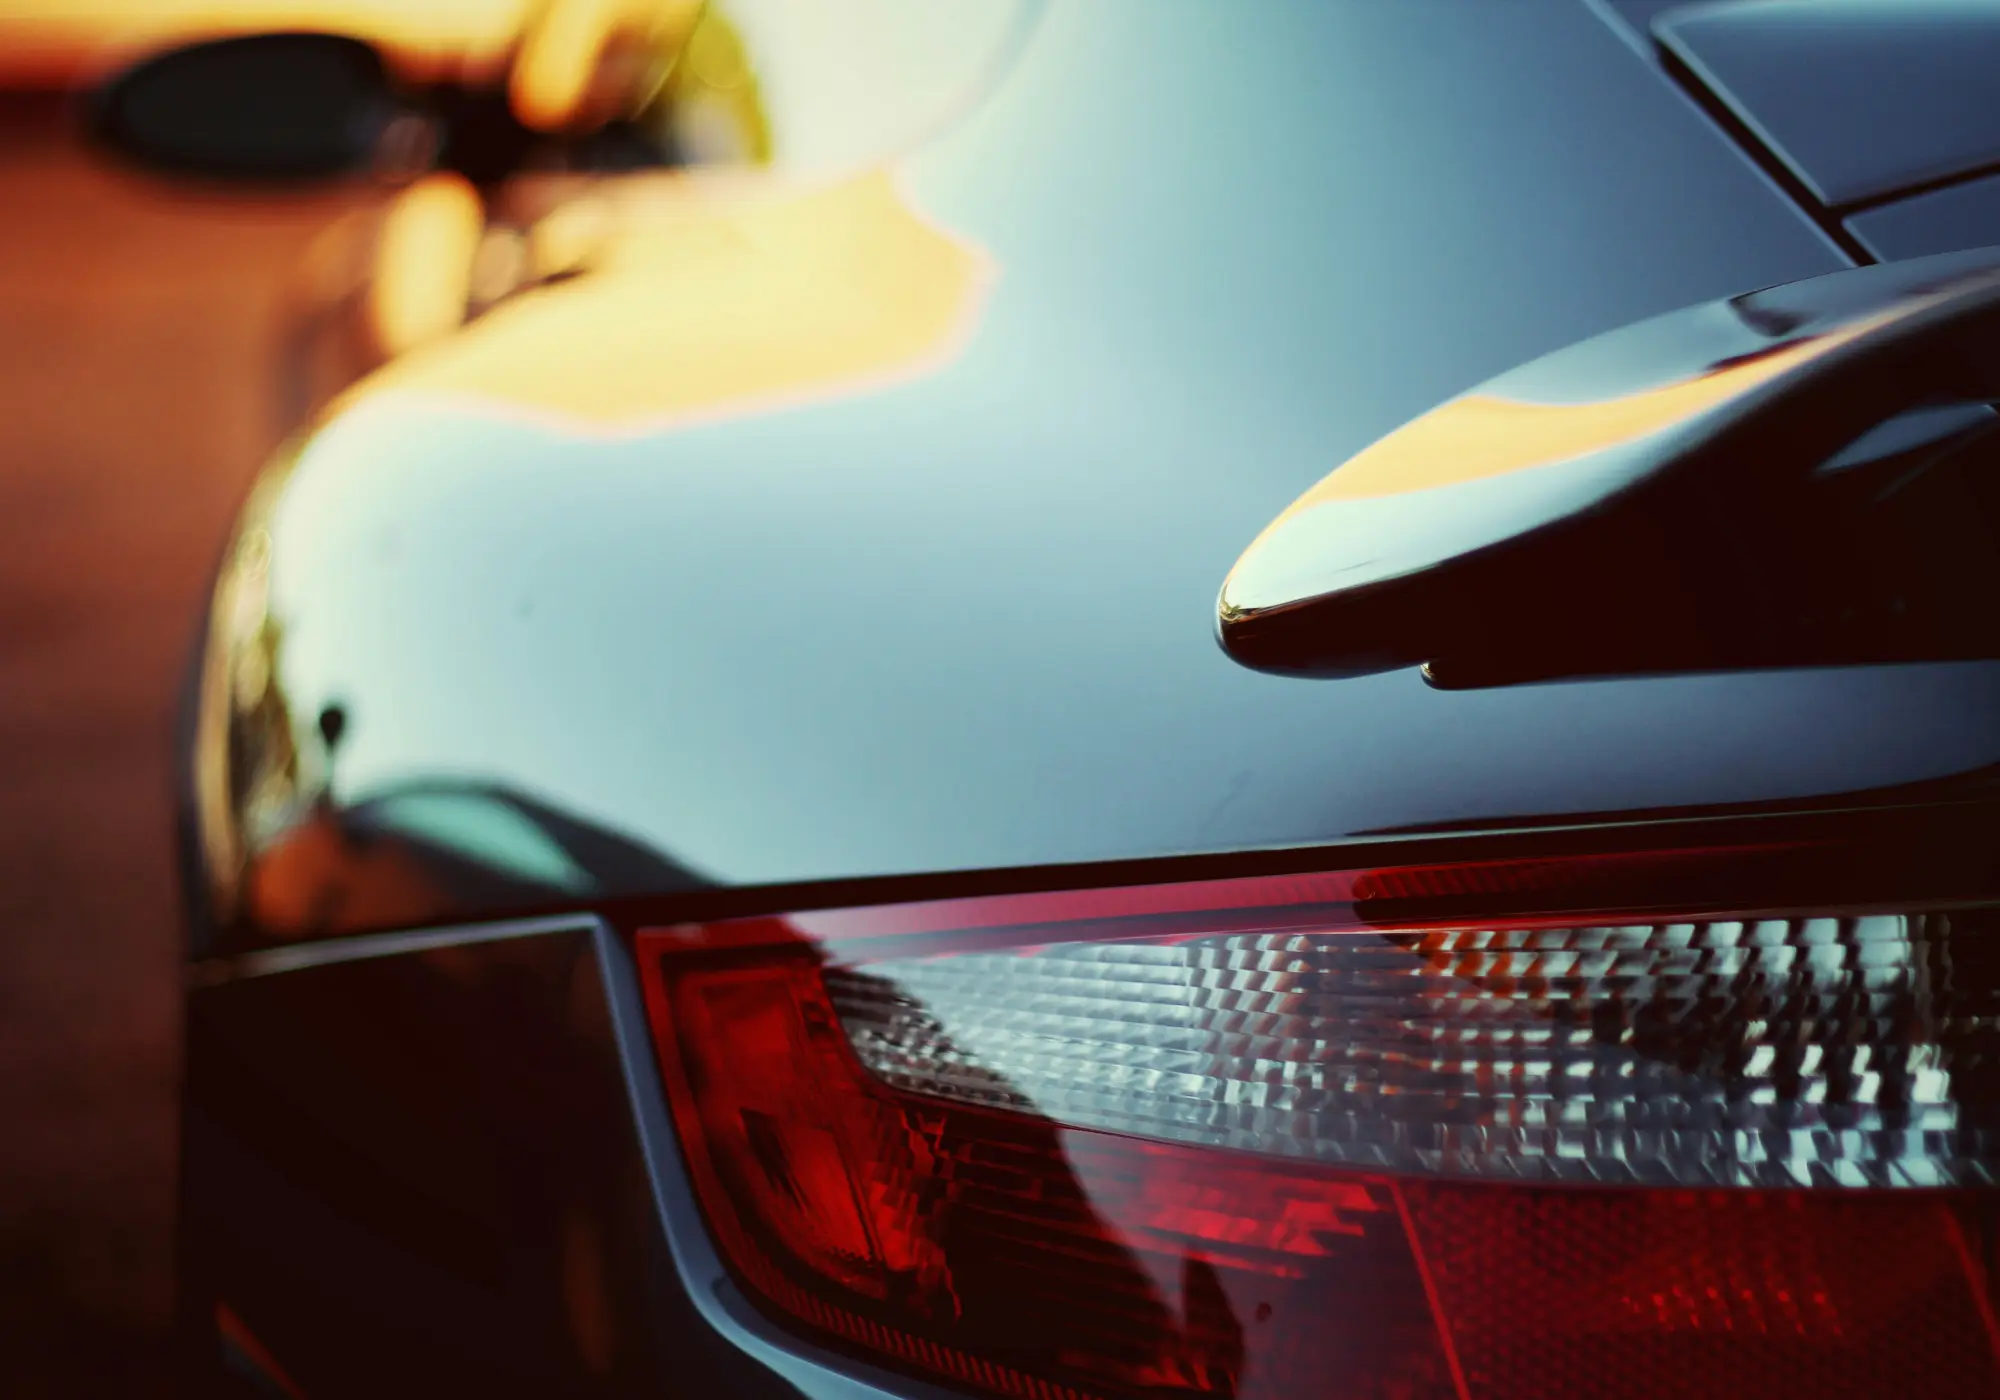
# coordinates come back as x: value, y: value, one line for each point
x: 1236, y: 1139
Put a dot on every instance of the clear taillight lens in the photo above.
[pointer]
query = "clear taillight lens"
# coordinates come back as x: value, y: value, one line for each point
x: 1254, y: 1138
x: 1727, y: 1052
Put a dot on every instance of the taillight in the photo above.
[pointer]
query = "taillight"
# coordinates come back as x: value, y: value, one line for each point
x: 1334, y: 1136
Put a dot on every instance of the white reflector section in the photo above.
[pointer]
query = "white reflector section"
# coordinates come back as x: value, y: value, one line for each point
x: 1767, y: 1052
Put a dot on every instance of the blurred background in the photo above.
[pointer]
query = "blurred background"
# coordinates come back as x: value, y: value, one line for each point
x: 180, y: 291
x: 136, y: 335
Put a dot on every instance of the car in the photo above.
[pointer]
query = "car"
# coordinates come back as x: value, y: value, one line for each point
x: 1267, y: 700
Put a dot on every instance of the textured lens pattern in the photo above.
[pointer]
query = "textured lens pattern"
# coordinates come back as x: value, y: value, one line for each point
x: 1860, y: 1052
x: 1660, y: 1295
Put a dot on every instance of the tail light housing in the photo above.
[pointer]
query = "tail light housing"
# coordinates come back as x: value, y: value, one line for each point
x: 1593, y: 1125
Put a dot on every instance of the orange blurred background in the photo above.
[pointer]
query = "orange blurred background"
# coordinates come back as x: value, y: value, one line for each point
x: 138, y: 328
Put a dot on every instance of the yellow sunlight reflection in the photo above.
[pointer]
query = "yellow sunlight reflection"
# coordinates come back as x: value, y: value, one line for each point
x: 1484, y: 435
x: 706, y: 301
x: 586, y: 59
x: 424, y: 261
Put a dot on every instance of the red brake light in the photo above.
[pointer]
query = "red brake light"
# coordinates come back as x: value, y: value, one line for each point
x: 1242, y: 1138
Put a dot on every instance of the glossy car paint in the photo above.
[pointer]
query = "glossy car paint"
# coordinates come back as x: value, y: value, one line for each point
x: 1960, y: 216
x: 535, y: 635
x: 1858, y: 98
x: 960, y: 619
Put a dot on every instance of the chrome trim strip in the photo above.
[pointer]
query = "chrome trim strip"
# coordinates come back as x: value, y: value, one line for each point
x: 296, y: 957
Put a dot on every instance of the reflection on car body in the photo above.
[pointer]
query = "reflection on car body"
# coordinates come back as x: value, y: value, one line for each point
x: 725, y: 858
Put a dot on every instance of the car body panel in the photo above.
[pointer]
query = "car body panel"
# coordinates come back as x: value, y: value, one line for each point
x: 459, y: 1201
x: 1858, y: 98
x: 1959, y: 216
x: 860, y: 543
x: 949, y: 606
